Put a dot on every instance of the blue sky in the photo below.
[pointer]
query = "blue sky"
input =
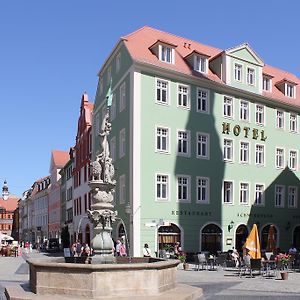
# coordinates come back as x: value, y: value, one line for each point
x: 51, y: 52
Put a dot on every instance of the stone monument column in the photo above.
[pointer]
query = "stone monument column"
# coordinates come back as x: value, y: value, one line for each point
x: 102, y: 186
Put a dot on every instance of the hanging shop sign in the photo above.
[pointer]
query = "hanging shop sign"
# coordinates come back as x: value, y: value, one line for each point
x: 247, y: 132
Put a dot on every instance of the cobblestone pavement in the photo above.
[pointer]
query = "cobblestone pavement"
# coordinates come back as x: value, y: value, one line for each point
x: 217, y: 285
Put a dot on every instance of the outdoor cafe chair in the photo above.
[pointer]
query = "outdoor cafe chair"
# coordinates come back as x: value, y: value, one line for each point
x: 202, y: 260
x: 255, y: 265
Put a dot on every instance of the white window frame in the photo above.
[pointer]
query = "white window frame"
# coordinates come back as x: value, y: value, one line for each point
x: 267, y: 84
x: 183, y: 140
x: 228, y: 150
x: 244, y: 152
x: 166, y: 53
x: 244, y: 193
x: 293, y: 122
x: 279, y: 158
x: 292, y: 197
x: 293, y: 160
x: 228, y: 107
x: 122, y: 189
x: 260, y: 155
x: 183, y: 94
x: 122, y: 145
x: 113, y: 109
x: 162, y: 85
x: 202, y: 189
x: 279, y: 119
x: 164, y: 139
x: 238, y: 72
x: 113, y: 148
x: 122, y: 96
x: 260, y: 114
x: 244, y: 111
x: 203, y: 102
x: 205, y: 144
x: 162, y: 183
x: 183, y: 183
x: 224, y: 194
x: 279, y: 195
x: 200, y: 63
x: 290, y: 90
x: 251, y: 76
x: 259, y: 192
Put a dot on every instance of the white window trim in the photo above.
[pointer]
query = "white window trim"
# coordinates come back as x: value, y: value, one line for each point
x: 296, y: 197
x: 188, y: 154
x: 286, y: 84
x: 122, y: 97
x: 283, y: 165
x: 241, y: 72
x: 188, y: 188
x: 122, y: 188
x: 249, y: 153
x: 222, y: 197
x: 168, y: 151
x: 297, y: 159
x: 205, y: 63
x: 118, y: 62
x: 207, y: 201
x: 172, y: 53
x: 283, y: 119
x: 225, y: 159
x: 263, y: 194
x: 249, y: 119
x: 270, y: 83
x: 232, y: 107
x: 254, y: 76
x: 113, y: 109
x: 264, y: 157
x: 264, y: 114
x: 290, y: 129
x: 113, y: 148
x: 188, y: 107
x: 168, y: 92
x: 207, y: 111
x: 168, y: 199
x: 122, y: 133
x: 249, y: 195
x: 283, y: 196
x: 207, y: 157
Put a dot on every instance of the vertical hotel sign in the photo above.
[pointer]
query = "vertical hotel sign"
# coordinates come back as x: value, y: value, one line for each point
x: 247, y: 132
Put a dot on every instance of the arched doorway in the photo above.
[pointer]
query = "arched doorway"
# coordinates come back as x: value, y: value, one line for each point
x: 168, y: 236
x: 264, y: 236
x: 241, y: 235
x: 211, y: 239
x: 296, y: 237
x: 87, y: 234
x: 121, y: 231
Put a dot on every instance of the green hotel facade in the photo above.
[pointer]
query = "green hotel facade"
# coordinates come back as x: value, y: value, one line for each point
x: 204, y: 142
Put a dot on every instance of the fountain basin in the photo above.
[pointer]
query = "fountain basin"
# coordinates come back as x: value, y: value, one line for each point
x: 149, y: 278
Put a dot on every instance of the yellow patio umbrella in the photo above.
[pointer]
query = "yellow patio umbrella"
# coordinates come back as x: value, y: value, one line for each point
x: 271, y: 243
x: 252, y: 243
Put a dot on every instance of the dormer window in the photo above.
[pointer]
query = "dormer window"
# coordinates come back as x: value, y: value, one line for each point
x: 166, y: 54
x: 200, y: 64
x: 238, y: 72
x: 267, y: 83
x: 290, y: 90
x: 250, y: 76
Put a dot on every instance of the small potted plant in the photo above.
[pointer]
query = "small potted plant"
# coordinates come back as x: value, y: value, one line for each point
x: 182, y: 258
x: 283, y: 261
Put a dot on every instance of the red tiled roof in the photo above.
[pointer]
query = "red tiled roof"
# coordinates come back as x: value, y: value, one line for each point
x: 10, y: 204
x: 139, y: 42
x: 60, y: 158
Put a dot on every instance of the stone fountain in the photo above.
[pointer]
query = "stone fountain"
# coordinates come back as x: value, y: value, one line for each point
x: 107, y: 277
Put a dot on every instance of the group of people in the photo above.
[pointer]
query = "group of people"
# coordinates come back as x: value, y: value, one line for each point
x: 79, y: 249
x: 120, y: 248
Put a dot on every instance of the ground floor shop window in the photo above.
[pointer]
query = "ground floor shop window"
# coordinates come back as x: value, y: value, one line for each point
x: 240, y: 237
x: 168, y: 236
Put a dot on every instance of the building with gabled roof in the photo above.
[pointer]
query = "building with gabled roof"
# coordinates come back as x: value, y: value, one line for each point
x: 204, y: 142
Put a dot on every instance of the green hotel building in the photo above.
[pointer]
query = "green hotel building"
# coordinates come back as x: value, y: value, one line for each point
x: 204, y: 142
